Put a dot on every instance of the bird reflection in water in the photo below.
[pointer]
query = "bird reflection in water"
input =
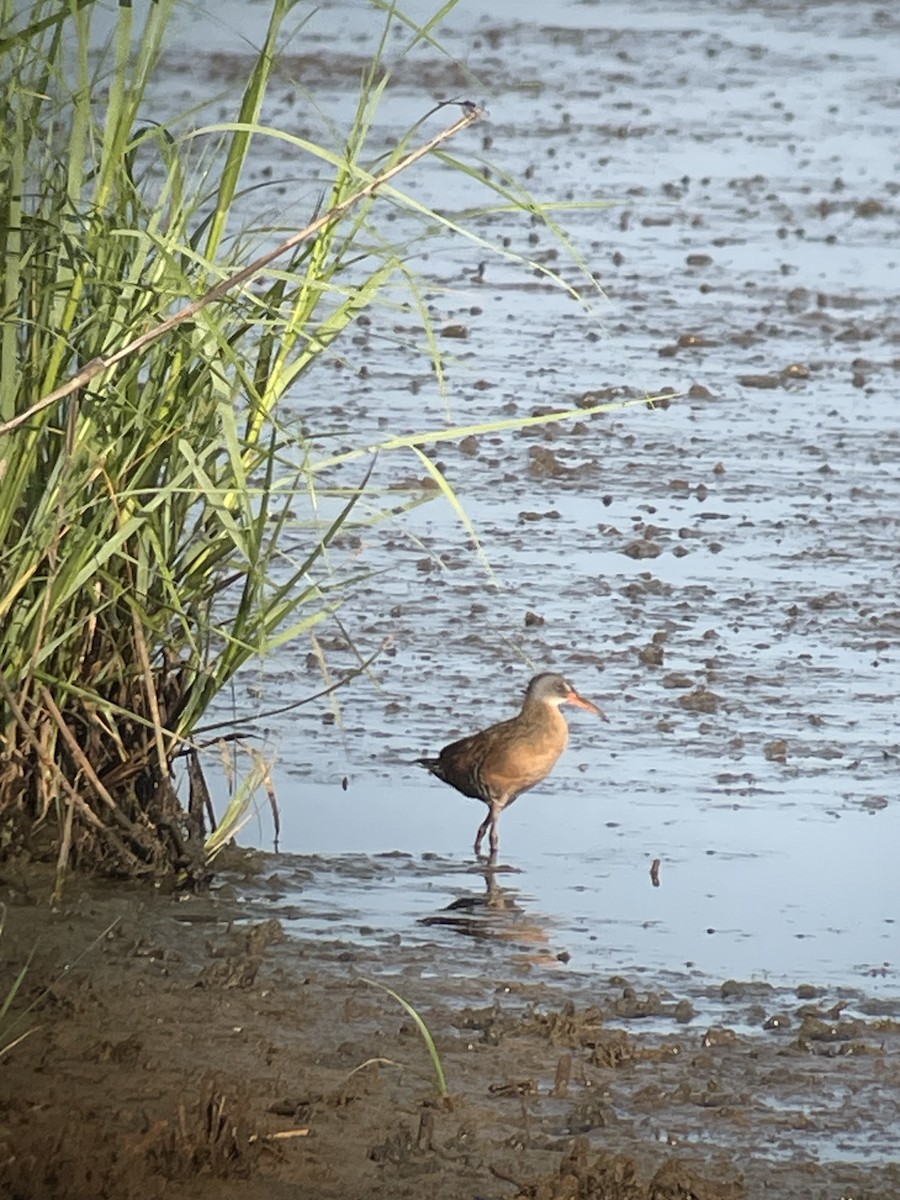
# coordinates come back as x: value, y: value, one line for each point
x: 498, y: 914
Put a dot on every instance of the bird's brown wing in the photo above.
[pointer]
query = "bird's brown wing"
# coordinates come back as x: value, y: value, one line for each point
x: 463, y: 764
x: 505, y: 760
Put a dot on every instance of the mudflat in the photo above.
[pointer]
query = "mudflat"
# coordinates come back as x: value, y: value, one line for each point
x: 195, y: 1046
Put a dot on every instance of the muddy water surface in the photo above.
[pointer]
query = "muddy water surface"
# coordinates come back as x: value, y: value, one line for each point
x: 720, y: 573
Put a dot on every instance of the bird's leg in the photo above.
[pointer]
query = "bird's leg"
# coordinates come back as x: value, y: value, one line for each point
x: 479, y: 836
x: 495, y: 836
x: 489, y: 823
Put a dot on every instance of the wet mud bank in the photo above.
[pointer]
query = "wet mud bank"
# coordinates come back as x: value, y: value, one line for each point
x: 196, y: 1046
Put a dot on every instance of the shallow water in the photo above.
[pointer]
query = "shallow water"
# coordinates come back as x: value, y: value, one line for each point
x: 751, y: 255
x: 740, y: 894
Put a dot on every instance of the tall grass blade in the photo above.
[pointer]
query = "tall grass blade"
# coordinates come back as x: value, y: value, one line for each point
x: 425, y: 1032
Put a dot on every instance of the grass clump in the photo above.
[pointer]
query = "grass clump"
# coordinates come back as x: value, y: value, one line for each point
x: 146, y: 477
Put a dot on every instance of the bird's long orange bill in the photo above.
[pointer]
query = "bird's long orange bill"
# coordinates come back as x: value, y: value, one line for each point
x: 580, y: 702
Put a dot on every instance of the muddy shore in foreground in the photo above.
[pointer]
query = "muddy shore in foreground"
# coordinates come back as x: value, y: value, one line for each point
x: 190, y: 1047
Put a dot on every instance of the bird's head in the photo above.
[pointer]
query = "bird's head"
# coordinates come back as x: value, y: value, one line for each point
x: 550, y: 688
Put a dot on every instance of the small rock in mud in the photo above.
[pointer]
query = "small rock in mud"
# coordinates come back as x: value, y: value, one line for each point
x: 397, y: 1148
x: 645, y: 585
x: 812, y: 1029
x: 652, y: 656
x: 455, y: 331
x: 741, y: 988
x: 642, y: 549
x: 684, y: 1012
x: 807, y: 991
x: 532, y: 618
x: 578, y: 1176
x: 679, y: 1179
x: 869, y: 208
x: 719, y: 1036
x: 297, y: 1107
x: 765, y: 382
x: 776, y: 751
x: 604, y: 396
x: 529, y: 517
x: 697, y: 391
x: 777, y: 1022
x: 629, y: 1006
x: 516, y: 1087
x: 568, y: 1026
x: 701, y: 700
x: 239, y: 970
x: 469, y: 446
x: 616, y: 1177
x: 874, y: 803
x: 795, y: 371
x: 543, y: 464
x: 676, y: 680
x: 125, y: 1052
x: 828, y: 600
x: 563, y: 1077
x: 612, y: 1048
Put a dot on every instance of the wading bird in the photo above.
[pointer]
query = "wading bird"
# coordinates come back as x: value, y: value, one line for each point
x: 503, y: 761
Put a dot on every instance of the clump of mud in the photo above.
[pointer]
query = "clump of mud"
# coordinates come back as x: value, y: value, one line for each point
x: 583, y: 1175
x: 84, y: 1158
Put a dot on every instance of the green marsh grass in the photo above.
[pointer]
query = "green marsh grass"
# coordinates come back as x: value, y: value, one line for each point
x: 148, y: 341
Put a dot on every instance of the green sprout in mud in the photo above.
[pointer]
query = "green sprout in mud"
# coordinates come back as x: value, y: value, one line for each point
x: 423, y: 1029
